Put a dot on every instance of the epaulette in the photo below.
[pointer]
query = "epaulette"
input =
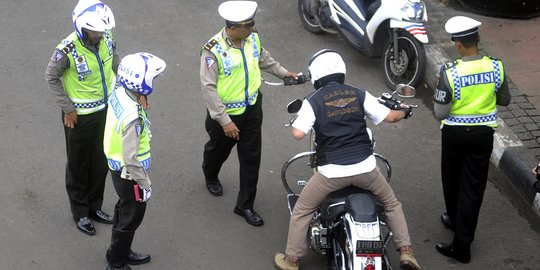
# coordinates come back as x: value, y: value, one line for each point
x: 210, y: 44
x: 493, y: 58
x: 448, y: 65
x: 68, y: 48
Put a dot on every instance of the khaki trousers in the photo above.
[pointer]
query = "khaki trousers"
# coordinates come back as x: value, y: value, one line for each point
x: 316, y: 190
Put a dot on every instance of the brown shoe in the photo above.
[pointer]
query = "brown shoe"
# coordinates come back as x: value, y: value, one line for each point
x: 284, y: 262
x: 407, y: 260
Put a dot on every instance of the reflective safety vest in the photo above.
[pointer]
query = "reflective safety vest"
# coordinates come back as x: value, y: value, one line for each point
x: 90, y: 74
x: 239, y: 76
x: 122, y: 111
x: 474, y: 86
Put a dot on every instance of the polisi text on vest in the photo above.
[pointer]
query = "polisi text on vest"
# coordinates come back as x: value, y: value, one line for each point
x: 481, y: 78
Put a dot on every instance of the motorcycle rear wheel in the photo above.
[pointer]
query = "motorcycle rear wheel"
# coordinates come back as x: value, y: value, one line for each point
x: 309, y: 21
x: 410, y: 66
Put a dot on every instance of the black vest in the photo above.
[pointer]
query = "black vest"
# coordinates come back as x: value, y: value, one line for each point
x: 340, y: 125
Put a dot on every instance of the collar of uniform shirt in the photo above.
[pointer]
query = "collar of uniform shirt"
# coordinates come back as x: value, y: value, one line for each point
x: 228, y: 39
x: 471, y: 58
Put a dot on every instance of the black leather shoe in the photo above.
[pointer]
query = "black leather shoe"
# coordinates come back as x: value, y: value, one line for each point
x: 214, y: 187
x: 134, y: 258
x: 110, y: 267
x: 101, y: 217
x: 446, y: 221
x: 251, y: 217
x: 86, y: 226
x: 452, y: 252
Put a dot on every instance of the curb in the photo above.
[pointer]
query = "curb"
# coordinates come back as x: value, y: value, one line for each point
x: 508, y: 150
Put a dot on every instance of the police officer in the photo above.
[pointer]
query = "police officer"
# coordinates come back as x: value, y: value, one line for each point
x: 465, y: 100
x: 127, y: 147
x: 230, y: 72
x: 87, y: 61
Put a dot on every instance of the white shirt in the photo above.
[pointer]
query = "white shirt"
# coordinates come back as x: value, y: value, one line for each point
x: 374, y: 111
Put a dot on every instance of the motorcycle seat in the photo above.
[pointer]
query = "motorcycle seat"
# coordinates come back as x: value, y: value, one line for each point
x: 362, y: 207
x: 335, y: 202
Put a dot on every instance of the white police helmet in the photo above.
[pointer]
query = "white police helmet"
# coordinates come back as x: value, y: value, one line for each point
x: 92, y: 15
x: 137, y: 71
x: 325, y: 62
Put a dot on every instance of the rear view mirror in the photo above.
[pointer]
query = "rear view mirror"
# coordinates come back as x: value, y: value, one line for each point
x: 294, y: 106
x: 405, y: 91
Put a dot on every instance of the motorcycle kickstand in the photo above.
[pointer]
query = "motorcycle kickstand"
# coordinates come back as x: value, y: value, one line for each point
x: 387, y: 238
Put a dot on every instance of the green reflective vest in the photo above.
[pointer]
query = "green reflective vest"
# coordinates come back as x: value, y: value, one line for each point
x: 122, y: 111
x: 474, y: 86
x: 90, y: 74
x: 239, y: 76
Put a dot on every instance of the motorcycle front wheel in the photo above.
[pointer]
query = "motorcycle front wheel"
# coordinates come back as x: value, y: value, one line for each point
x: 410, y: 64
x: 309, y: 21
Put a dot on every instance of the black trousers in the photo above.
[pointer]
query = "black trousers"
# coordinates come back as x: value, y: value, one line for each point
x: 128, y: 216
x: 86, y: 168
x: 464, y: 166
x: 218, y: 148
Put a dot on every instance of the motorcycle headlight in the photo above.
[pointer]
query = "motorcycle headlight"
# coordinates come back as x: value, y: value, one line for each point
x: 414, y: 10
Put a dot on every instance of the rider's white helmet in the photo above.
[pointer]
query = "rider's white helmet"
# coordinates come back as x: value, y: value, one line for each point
x: 137, y: 71
x: 325, y: 62
x: 92, y: 15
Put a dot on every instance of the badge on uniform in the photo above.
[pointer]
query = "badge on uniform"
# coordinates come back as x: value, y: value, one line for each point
x: 82, y: 65
x: 209, y: 62
x: 227, y: 61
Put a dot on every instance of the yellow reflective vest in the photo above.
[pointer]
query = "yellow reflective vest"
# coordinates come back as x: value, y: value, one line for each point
x: 122, y: 111
x: 474, y: 85
x: 90, y: 74
x: 239, y: 76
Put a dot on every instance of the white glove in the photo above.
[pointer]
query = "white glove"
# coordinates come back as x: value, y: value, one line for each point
x: 146, y: 194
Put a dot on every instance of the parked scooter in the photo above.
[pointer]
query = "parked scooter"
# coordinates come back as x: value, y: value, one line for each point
x: 349, y: 227
x: 390, y: 29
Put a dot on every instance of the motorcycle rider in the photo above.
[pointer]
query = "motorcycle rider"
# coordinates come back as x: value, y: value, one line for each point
x: 344, y: 152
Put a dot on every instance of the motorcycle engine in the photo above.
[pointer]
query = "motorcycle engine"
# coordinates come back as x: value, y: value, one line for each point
x: 318, y: 236
x: 324, y: 17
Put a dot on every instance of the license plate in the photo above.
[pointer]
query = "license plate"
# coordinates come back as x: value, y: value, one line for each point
x: 372, y: 248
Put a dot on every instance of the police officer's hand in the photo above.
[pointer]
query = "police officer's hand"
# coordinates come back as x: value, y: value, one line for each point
x: 292, y: 74
x: 231, y: 131
x: 143, y: 100
x: 70, y: 119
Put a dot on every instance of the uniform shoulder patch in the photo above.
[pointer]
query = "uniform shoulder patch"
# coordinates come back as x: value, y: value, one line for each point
x: 210, y: 44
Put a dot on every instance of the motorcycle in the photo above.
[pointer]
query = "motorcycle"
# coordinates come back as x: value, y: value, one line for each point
x: 349, y: 227
x: 390, y: 29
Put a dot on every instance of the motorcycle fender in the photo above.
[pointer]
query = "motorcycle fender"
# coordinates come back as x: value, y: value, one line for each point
x: 362, y: 231
x: 418, y: 30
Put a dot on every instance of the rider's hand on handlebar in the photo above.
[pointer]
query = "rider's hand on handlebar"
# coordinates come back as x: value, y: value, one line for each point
x: 407, y: 110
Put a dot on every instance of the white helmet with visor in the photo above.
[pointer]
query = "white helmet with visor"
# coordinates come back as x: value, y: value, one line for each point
x: 92, y: 15
x: 137, y: 71
x: 325, y: 62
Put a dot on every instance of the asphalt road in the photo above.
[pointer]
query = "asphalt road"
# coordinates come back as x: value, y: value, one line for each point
x: 185, y: 227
